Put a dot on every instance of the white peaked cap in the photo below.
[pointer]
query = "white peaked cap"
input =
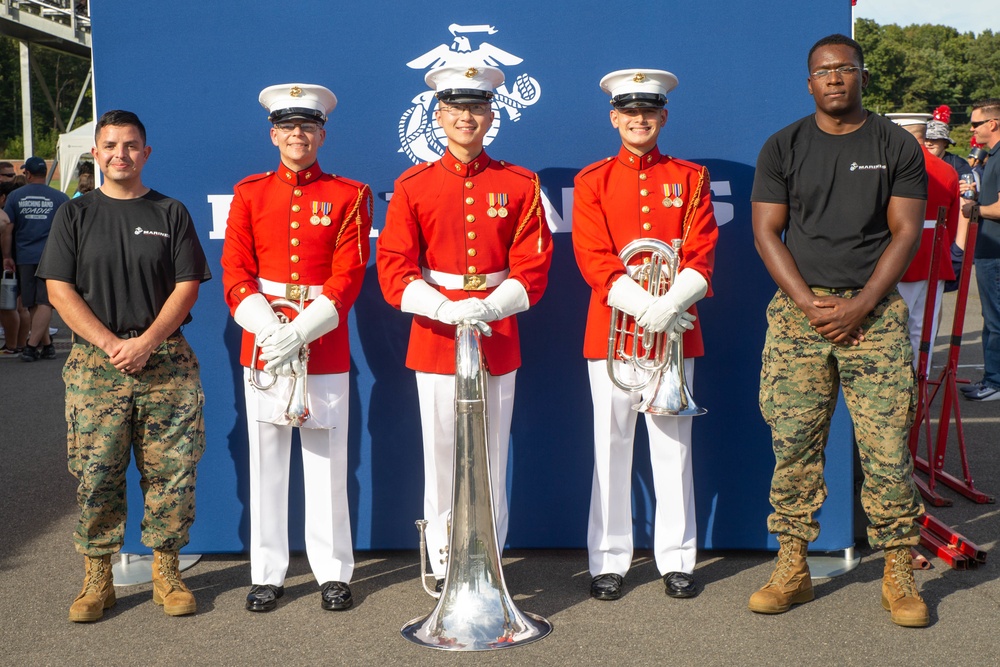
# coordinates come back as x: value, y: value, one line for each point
x: 906, y: 119
x: 297, y: 100
x: 464, y: 83
x: 638, y: 87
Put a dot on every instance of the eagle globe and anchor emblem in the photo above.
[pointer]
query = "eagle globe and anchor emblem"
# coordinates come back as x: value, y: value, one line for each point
x: 420, y: 138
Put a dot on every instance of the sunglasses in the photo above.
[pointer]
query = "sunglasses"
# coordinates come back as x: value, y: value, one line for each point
x: 977, y: 123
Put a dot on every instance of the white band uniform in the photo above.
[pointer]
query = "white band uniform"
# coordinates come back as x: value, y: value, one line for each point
x: 324, y: 468
x: 609, y: 533
x: 436, y: 394
x: 457, y: 280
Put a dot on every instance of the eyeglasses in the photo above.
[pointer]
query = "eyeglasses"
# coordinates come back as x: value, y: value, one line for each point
x: 478, y: 109
x: 6, y: 175
x: 977, y: 123
x: 842, y: 71
x: 308, y: 128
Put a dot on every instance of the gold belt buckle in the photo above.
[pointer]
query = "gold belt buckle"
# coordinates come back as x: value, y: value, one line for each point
x: 293, y: 292
x: 473, y: 282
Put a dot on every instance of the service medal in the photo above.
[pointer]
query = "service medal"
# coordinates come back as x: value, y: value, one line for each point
x: 325, y: 220
x: 492, y: 211
x: 667, y: 200
x: 678, y: 189
x: 502, y: 200
x: 314, y: 220
x: 678, y: 202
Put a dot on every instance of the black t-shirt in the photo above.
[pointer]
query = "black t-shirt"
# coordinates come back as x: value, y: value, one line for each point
x: 837, y: 188
x: 124, y: 255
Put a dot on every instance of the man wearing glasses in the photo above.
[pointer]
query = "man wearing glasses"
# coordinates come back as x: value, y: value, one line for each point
x: 465, y: 238
x: 838, y: 207
x: 6, y: 172
x: 986, y: 131
x: 297, y: 234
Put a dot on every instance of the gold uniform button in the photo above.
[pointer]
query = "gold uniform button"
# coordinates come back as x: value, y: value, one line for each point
x: 243, y: 290
x: 295, y: 225
x: 642, y: 177
x: 470, y: 218
x: 470, y: 201
x: 645, y: 209
x: 296, y: 208
x: 472, y: 236
x: 472, y: 252
x: 469, y: 184
x: 297, y: 192
x: 295, y: 276
x: 295, y: 259
x: 644, y: 192
x: 295, y: 242
x: 471, y: 269
x: 647, y: 226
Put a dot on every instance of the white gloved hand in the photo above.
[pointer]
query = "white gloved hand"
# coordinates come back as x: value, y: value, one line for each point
x: 289, y: 367
x: 420, y: 298
x: 509, y: 298
x: 684, y: 323
x: 663, y: 314
x: 629, y: 297
x: 255, y: 315
x: 318, y: 318
x: 455, y: 312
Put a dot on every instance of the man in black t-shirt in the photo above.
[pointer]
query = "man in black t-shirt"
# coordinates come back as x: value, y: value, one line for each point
x: 123, y: 266
x: 838, y: 208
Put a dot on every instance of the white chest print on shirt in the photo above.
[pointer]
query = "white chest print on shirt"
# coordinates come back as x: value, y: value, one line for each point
x: 139, y: 231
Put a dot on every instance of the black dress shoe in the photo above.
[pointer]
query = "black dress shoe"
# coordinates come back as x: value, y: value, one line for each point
x: 680, y: 585
x: 264, y: 597
x: 438, y: 585
x: 606, y: 587
x: 336, y: 596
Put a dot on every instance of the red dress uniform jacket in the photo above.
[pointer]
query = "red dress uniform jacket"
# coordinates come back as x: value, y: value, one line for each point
x: 269, y: 235
x: 942, y: 190
x: 438, y: 220
x: 621, y: 199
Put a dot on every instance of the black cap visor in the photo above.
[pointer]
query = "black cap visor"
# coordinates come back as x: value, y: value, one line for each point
x: 465, y: 95
x: 639, y: 101
x: 291, y: 113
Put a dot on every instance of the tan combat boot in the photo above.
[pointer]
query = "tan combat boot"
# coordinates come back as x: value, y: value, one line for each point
x: 168, y: 589
x: 899, y: 590
x: 98, y: 591
x: 790, y: 582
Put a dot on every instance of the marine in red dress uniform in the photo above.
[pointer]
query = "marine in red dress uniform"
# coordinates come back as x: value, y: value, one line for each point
x: 942, y: 190
x: 298, y: 234
x: 641, y: 193
x: 465, y: 239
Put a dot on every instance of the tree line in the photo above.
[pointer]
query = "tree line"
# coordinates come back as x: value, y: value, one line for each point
x: 64, y: 75
x: 920, y: 67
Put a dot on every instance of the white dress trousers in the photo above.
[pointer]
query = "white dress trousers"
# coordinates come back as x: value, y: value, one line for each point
x: 609, y: 533
x: 437, y: 420
x: 915, y: 296
x: 324, y: 465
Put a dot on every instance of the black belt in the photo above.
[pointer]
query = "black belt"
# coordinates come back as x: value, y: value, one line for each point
x: 131, y: 333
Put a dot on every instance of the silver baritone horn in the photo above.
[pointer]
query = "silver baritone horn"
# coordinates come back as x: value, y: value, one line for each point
x: 656, y: 358
x: 474, y: 611
x: 297, y: 411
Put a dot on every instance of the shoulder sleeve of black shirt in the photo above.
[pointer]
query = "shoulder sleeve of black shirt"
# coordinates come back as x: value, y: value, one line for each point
x: 909, y: 178
x: 59, y: 256
x: 769, y: 184
x: 189, y: 257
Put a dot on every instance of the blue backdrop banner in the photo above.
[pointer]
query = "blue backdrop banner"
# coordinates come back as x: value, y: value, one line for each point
x: 192, y: 71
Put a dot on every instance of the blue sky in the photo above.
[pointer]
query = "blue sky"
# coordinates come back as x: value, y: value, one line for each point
x: 964, y: 15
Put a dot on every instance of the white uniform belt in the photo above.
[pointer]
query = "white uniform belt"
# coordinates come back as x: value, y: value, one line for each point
x: 930, y: 224
x: 290, y: 291
x: 462, y: 280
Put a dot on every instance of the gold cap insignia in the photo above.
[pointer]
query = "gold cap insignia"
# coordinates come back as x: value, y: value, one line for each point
x: 639, y: 77
x: 295, y: 91
x: 471, y: 72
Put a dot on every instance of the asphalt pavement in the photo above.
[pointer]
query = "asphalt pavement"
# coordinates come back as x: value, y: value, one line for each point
x: 40, y: 574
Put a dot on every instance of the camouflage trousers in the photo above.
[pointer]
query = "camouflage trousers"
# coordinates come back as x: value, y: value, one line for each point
x: 155, y: 414
x: 799, y: 378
